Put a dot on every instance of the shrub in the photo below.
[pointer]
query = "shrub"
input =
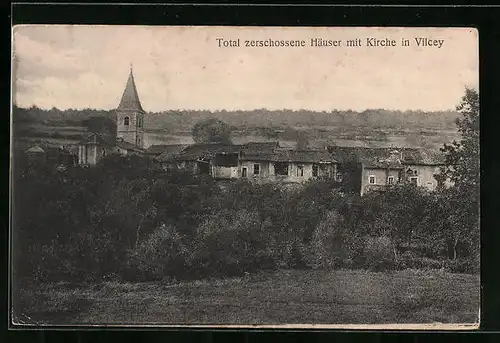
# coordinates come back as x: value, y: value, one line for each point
x: 231, y: 243
x: 325, y: 247
x: 353, y: 250
x: 379, y: 253
x: 463, y: 266
x: 409, y: 260
x: 162, y: 255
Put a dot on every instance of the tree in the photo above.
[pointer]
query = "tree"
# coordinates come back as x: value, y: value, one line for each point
x: 462, y: 158
x: 462, y: 168
x: 398, y: 213
x: 302, y: 140
x: 101, y: 125
x: 453, y: 223
x: 211, y: 131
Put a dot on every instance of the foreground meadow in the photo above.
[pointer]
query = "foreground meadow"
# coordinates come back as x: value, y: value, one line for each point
x: 282, y: 297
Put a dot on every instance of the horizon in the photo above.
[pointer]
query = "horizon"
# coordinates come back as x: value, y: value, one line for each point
x: 182, y: 68
x: 451, y: 110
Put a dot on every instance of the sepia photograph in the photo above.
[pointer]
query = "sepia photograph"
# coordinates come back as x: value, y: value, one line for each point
x: 219, y: 176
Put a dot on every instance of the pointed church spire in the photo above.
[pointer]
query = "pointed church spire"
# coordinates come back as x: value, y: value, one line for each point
x: 130, y: 98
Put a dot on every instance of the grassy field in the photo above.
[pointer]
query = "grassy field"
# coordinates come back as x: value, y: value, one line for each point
x: 288, y: 296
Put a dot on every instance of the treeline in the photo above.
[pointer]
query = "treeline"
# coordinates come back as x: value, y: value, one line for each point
x: 129, y: 220
x: 376, y: 118
x: 55, y: 116
x: 184, y: 120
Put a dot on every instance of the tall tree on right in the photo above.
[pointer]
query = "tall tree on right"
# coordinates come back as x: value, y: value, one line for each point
x: 462, y: 157
x: 459, y: 204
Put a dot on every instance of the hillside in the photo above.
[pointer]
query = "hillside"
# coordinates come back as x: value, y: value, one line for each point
x: 376, y: 127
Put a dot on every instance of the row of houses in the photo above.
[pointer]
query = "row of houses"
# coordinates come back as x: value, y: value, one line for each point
x: 368, y: 169
x: 372, y: 169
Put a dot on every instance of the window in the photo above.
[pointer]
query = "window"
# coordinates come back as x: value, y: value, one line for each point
x: 371, y: 180
x: 256, y: 169
x: 281, y: 168
x: 244, y: 172
x: 126, y: 121
x: 103, y: 152
x: 390, y: 180
x: 300, y: 171
x: 414, y: 181
x: 315, y: 170
x: 429, y: 185
x: 225, y: 160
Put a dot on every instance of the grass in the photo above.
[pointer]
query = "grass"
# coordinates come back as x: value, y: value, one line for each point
x: 283, y: 297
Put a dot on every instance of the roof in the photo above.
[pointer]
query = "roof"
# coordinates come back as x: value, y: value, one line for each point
x: 130, y: 98
x: 423, y: 157
x: 203, y: 151
x: 258, y: 150
x: 165, y: 151
x: 302, y: 156
x: 268, y: 151
x: 128, y: 146
x: 35, y: 149
x: 253, y: 147
x: 155, y: 149
x: 387, y: 157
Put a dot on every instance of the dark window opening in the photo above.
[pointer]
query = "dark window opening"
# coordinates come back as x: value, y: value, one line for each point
x: 244, y: 172
x: 281, y: 168
x: 126, y: 121
x: 203, y: 168
x: 390, y: 180
x: 315, y: 170
x: 256, y: 169
x: 414, y: 181
x: 300, y: 171
x: 371, y: 180
x: 225, y: 160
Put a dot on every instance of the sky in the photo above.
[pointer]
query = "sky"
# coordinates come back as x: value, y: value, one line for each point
x: 184, y: 68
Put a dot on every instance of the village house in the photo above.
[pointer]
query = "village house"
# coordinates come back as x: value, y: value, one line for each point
x: 216, y: 159
x: 58, y: 156
x: 376, y: 169
x: 286, y: 165
x: 257, y: 162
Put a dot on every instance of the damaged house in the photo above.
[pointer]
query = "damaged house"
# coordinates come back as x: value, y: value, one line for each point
x: 375, y: 169
x: 258, y: 162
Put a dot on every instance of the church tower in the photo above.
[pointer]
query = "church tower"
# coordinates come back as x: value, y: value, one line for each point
x: 130, y: 115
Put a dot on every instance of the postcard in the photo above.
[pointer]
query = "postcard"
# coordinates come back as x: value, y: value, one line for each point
x: 245, y: 177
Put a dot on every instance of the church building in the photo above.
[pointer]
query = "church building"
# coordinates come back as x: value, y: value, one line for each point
x: 130, y: 115
x: 129, y: 130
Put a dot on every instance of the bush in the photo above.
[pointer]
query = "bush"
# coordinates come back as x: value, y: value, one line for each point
x: 231, y: 243
x: 324, y: 250
x: 162, y: 255
x: 379, y: 253
x: 409, y: 260
x: 462, y: 266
